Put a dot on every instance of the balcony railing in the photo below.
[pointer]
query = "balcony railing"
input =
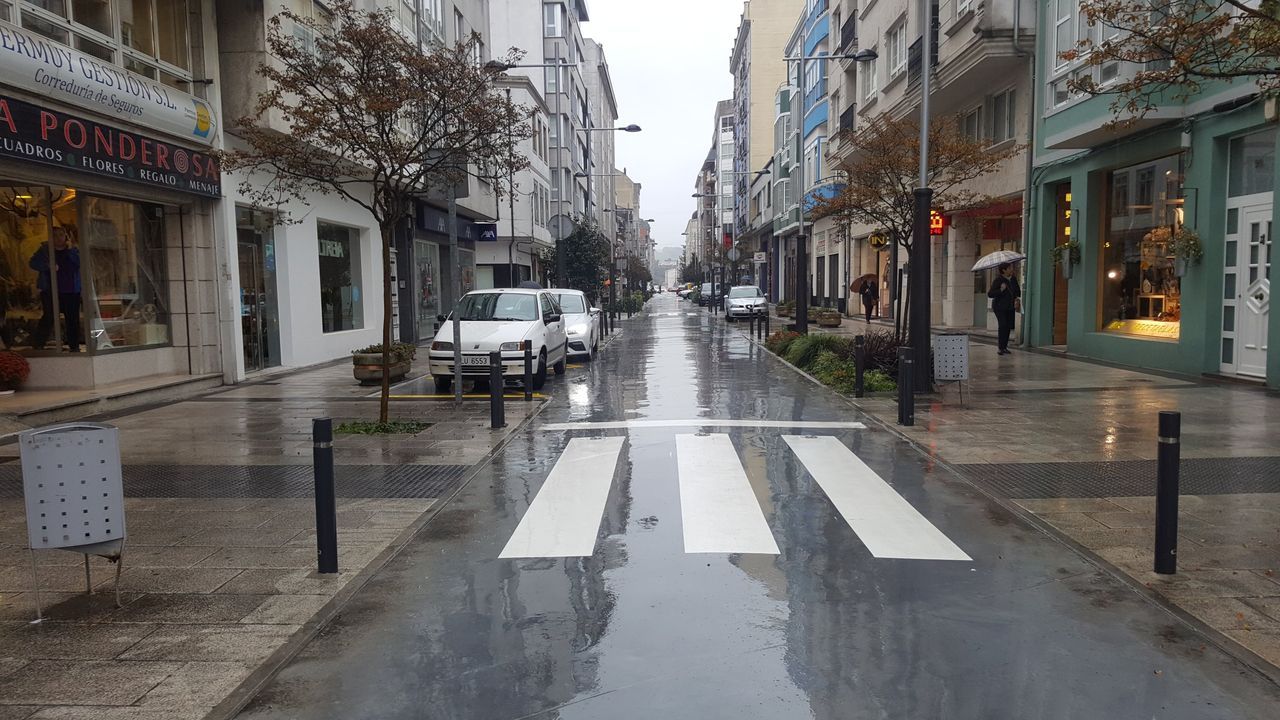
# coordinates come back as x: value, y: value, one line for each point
x: 848, y: 118
x: 849, y: 32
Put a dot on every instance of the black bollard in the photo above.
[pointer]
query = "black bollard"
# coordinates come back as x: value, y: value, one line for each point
x: 326, y: 504
x: 859, y: 365
x: 528, y: 371
x: 497, y: 413
x: 766, y: 324
x: 906, y: 392
x: 753, y: 325
x: 1168, y: 450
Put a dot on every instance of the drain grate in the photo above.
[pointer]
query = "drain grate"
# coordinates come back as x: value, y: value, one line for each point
x: 1126, y: 478
x: 271, y: 481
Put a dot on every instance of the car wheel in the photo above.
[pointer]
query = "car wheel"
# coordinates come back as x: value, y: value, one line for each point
x: 444, y: 383
x: 540, y: 376
x: 560, y: 366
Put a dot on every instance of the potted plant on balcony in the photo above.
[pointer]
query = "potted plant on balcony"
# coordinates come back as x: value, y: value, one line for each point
x: 367, y: 362
x: 14, y: 370
x: 1186, y: 249
x: 1067, y: 256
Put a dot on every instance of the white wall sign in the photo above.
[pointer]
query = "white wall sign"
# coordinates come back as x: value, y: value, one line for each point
x: 60, y: 73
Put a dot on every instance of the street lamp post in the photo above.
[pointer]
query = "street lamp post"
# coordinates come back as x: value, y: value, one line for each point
x: 802, y: 254
x: 920, y: 318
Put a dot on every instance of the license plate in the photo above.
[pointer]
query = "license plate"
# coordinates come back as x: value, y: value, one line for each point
x: 475, y: 360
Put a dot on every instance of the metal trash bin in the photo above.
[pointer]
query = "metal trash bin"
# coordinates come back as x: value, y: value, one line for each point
x: 74, y: 494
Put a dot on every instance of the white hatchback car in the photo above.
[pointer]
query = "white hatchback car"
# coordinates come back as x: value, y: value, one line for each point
x: 502, y: 320
x: 581, y: 322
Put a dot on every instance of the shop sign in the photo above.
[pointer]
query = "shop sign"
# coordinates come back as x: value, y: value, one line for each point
x: 28, y: 132
x: 760, y: 257
x: 488, y: 232
x: 936, y: 223
x: 60, y: 73
x: 878, y: 241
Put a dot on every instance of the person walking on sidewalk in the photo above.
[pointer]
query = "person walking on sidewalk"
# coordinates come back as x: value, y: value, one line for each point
x: 869, y: 298
x: 1006, y: 301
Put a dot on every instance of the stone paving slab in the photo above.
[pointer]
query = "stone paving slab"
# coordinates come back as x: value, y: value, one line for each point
x: 1228, y: 556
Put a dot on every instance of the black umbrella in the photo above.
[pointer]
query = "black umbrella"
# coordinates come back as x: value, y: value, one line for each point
x: 529, y: 285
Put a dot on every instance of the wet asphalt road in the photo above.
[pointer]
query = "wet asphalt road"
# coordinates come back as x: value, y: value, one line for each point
x: 825, y: 629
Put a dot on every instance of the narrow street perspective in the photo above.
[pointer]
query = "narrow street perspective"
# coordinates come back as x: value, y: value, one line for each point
x: 577, y: 359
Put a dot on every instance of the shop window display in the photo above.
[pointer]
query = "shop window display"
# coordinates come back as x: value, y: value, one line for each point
x: 341, y: 303
x: 79, y: 272
x: 1141, y: 293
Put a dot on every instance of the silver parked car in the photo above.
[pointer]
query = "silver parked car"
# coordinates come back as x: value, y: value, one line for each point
x: 744, y: 301
x: 581, y: 323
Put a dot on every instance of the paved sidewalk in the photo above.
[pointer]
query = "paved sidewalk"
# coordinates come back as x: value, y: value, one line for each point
x: 219, y: 566
x: 1074, y: 442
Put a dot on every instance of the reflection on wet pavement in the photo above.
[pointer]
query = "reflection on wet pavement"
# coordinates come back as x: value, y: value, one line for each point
x: 643, y: 628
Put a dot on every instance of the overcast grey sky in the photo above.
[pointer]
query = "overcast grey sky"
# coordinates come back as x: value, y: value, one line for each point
x: 669, y: 60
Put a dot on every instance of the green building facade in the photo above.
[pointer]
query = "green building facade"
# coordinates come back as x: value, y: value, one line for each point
x: 1124, y: 194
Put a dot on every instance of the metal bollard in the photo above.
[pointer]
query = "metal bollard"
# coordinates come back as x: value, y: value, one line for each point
x: 766, y: 325
x: 326, y: 504
x: 859, y: 365
x: 906, y: 391
x: 528, y: 371
x: 1168, y: 451
x: 753, y: 325
x: 497, y: 413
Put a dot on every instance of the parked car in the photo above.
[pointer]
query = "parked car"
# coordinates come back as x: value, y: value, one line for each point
x: 581, y: 323
x: 744, y: 301
x: 705, y: 292
x: 502, y: 320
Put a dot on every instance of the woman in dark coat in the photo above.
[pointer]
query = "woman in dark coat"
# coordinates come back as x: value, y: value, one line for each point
x: 1006, y: 301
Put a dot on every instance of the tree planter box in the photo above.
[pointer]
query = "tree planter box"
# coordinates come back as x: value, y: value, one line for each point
x: 367, y: 368
x: 829, y: 320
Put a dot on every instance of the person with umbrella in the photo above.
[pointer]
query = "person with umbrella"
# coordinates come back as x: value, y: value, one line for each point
x: 1006, y: 301
x: 865, y: 287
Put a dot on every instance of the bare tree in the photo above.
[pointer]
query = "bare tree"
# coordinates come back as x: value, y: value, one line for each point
x: 354, y: 109
x: 884, y: 171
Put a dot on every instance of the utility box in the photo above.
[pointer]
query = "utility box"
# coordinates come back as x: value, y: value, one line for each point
x: 74, y: 492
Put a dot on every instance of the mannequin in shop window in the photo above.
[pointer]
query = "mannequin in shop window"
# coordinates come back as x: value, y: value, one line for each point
x: 66, y: 266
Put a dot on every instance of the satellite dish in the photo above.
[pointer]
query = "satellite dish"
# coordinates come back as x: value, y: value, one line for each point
x: 561, y: 226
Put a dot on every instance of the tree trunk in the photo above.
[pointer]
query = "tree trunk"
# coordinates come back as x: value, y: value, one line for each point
x: 388, y: 234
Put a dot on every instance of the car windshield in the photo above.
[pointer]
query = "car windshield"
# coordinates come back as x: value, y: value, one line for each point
x: 571, y: 303
x: 745, y: 292
x: 498, y: 306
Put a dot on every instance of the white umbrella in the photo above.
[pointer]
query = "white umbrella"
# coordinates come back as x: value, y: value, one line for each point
x: 997, y: 258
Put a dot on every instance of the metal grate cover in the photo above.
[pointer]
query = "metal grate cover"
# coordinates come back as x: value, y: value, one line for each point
x: 271, y: 481
x: 1125, y: 478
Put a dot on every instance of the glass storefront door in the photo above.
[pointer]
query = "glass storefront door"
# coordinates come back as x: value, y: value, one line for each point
x: 427, y: 284
x: 259, y: 303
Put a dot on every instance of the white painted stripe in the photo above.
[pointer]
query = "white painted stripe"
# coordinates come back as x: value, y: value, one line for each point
x: 886, y: 523
x: 719, y: 510
x: 564, y: 519
x: 703, y: 422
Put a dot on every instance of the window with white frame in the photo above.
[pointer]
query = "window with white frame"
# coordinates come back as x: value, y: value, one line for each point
x: 552, y: 20
x: 1002, y: 116
x: 867, y: 79
x: 1064, y: 31
x: 971, y: 124
x: 810, y: 75
x: 963, y: 6
x: 896, y: 40
x: 148, y: 37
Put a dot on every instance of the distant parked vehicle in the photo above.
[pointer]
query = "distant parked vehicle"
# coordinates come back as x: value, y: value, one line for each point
x: 502, y: 320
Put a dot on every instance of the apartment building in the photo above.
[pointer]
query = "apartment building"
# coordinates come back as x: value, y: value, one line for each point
x: 758, y: 69
x: 1205, y: 164
x: 981, y: 74
x: 801, y: 121
x: 524, y: 213
x: 599, y: 135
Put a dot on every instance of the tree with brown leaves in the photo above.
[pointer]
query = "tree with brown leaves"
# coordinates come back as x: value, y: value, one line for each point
x: 1157, y: 51
x: 884, y: 170
x: 354, y: 109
